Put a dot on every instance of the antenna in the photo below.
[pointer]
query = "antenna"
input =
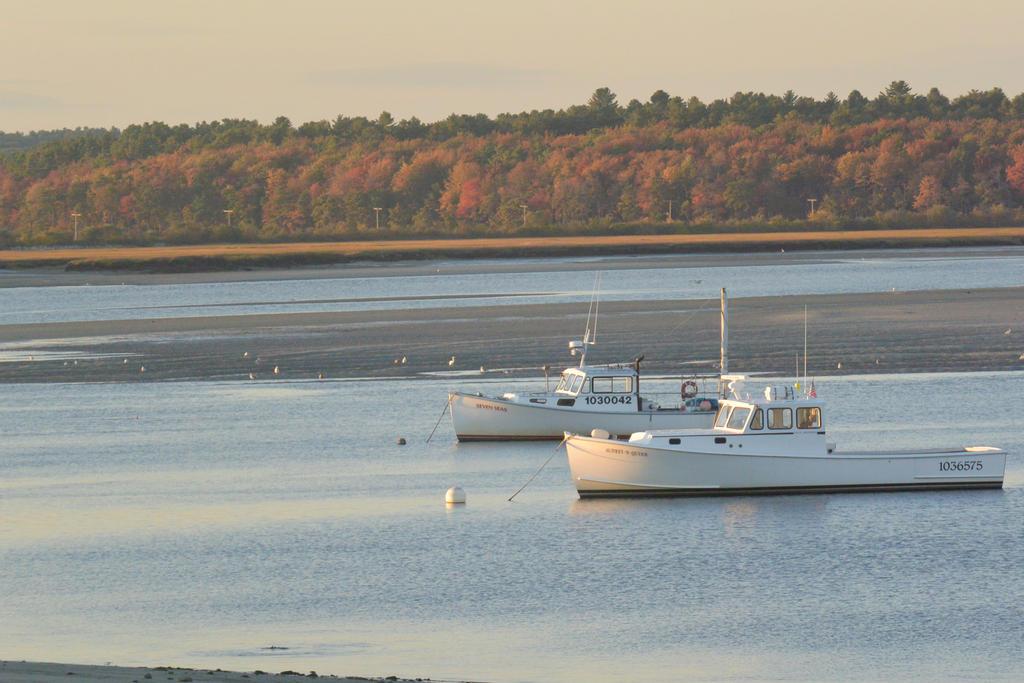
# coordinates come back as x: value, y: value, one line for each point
x: 595, y: 304
x: 805, y: 344
x: 588, y: 338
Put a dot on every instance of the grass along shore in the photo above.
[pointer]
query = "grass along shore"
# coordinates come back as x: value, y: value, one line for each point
x: 213, y: 257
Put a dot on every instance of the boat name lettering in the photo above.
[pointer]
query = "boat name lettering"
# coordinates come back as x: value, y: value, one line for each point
x: 960, y: 465
x: 601, y: 400
x: 485, y: 406
x: 627, y: 451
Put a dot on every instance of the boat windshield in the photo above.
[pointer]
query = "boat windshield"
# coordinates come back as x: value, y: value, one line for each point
x: 738, y: 418
x: 723, y: 416
x: 570, y: 383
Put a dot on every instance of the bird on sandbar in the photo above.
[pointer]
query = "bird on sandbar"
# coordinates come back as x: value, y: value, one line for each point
x: 319, y: 375
x: 451, y: 361
x: 403, y: 360
x: 275, y: 369
x: 251, y: 377
x: 1008, y: 331
x: 142, y: 369
x: 245, y: 354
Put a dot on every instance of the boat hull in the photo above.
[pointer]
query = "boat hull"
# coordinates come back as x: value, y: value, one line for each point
x: 605, y: 468
x: 484, y: 418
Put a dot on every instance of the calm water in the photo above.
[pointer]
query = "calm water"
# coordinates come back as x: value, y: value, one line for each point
x: 199, y: 524
x: 756, y: 275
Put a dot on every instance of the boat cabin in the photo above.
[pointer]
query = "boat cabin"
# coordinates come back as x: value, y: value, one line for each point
x: 597, y: 380
x: 615, y: 387
x: 744, y: 417
x: 781, y: 411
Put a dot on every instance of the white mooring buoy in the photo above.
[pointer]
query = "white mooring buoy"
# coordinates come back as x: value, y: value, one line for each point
x: 455, y: 495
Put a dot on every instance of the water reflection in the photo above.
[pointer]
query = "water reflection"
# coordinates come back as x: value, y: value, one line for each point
x: 287, y: 515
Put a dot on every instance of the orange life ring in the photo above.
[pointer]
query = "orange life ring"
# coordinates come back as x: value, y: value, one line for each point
x: 689, y: 389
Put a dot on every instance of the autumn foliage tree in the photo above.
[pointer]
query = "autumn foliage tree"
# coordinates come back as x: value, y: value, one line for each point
x: 746, y: 162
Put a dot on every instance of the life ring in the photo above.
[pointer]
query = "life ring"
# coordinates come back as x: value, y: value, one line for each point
x: 689, y: 389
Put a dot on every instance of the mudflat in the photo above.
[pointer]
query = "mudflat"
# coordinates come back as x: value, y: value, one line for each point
x: 889, y: 332
x: 48, y: 672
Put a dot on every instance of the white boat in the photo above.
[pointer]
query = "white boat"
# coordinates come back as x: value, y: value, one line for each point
x: 775, y: 445
x: 587, y: 397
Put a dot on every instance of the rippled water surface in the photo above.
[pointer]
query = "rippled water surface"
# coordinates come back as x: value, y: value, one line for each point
x: 202, y: 524
x: 642, y: 278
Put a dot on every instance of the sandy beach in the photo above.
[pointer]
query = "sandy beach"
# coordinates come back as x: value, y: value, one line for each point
x: 48, y: 672
x: 921, y: 331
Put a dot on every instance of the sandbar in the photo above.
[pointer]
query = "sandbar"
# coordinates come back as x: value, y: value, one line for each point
x: 951, y: 330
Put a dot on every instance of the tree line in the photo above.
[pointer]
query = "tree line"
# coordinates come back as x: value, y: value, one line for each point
x: 749, y: 162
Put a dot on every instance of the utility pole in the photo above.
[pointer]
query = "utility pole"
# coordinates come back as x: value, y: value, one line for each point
x: 75, y: 215
x: 229, y: 212
x: 668, y: 218
x: 376, y: 215
x: 523, y: 207
x: 812, y: 205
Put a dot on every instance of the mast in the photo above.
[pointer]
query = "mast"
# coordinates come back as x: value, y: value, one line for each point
x: 724, y: 370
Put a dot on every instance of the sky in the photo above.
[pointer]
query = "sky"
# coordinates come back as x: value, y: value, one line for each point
x: 112, y: 63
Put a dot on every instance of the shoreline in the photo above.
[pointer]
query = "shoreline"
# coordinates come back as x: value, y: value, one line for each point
x: 230, y: 257
x: 55, y: 672
x: 54, y: 276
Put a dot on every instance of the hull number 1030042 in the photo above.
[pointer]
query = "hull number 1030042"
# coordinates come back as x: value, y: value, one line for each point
x: 605, y: 400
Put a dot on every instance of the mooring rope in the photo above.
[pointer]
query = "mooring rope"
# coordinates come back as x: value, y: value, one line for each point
x: 541, y: 467
x: 447, y: 405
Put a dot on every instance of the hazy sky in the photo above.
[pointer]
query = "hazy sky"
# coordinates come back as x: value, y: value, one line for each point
x: 109, y: 63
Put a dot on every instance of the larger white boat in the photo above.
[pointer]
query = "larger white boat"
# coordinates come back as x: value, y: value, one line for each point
x: 587, y: 397
x: 774, y: 445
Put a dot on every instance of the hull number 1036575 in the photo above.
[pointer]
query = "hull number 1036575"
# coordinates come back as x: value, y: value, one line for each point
x: 960, y: 466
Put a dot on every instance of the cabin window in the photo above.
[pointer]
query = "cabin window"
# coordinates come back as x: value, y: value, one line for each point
x: 611, y: 385
x: 808, y: 418
x: 563, y: 383
x: 780, y: 418
x: 738, y: 418
x: 757, y: 422
x: 723, y: 416
x: 576, y: 382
